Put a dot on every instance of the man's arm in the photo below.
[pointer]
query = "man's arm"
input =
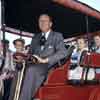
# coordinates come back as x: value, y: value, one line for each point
x: 60, y: 50
x: 32, y: 45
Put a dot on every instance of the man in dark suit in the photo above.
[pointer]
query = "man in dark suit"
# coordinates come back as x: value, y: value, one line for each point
x: 48, y: 47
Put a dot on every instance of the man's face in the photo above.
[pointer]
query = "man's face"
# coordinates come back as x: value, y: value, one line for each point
x: 19, y: 46
x: 45, y: 23
x: 97, y: 41
x: 81, y: 43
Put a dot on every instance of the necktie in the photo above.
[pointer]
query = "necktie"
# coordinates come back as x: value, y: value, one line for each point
x: 42, y: 40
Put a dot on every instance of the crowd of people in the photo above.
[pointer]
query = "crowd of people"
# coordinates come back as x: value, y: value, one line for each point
x: 48, y: 48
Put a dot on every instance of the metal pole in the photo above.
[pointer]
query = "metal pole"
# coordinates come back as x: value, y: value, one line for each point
x: 3, y: 32
x: 88, y: 40
x: 3, y: 25
x: 87, y: 31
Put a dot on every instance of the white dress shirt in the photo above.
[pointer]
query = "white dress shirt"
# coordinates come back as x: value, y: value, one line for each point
x: 46, y: 34
x: 46, y: 37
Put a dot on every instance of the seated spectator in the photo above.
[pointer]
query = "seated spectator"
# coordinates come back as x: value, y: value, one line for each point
x: 97, y: 43
x: 97, y: 47
x: 76, y: 71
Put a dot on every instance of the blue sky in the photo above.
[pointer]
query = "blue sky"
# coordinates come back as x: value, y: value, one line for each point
x: 92, y: 3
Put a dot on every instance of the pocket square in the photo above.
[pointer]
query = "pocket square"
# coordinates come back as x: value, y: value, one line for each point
x: 50, y: 46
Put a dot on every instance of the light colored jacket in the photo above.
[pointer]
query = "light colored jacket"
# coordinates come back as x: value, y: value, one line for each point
x: 54, y: 48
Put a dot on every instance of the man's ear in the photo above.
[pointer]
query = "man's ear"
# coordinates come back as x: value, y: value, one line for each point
x: 51, y: 24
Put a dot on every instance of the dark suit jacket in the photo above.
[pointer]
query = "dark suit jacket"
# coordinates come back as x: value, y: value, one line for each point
x: 54, y: 48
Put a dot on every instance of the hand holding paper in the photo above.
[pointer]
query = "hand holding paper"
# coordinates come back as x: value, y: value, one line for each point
x: 40, y: 60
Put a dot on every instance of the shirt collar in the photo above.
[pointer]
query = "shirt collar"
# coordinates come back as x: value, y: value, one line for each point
x: 46, y: 34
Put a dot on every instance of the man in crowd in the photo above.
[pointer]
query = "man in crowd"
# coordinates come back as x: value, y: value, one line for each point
x: 97, y: 48
x: 48, y: 48
x: 97, y: 43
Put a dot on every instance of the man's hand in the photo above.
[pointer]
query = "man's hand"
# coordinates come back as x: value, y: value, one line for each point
x: 41, y: 60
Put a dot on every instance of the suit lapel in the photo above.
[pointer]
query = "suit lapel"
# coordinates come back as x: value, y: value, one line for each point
x: 38, y: 43
x: 48, y: 39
